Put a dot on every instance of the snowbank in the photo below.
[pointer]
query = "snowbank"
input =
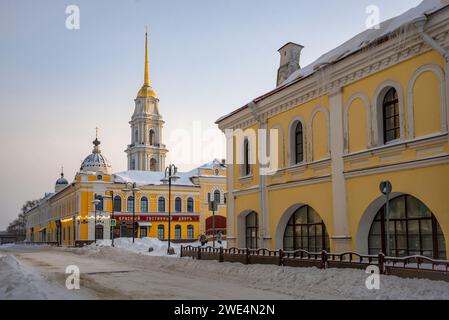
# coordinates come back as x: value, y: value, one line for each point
x: 299, y: 283
x: 18, y: 282
x: 141, y: 246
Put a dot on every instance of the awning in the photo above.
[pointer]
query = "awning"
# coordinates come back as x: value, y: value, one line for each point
x: 144, y: 224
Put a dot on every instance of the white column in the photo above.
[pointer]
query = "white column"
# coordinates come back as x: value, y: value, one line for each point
x: 341, y: 237
x: 231, y: 237
x: 263, y: 199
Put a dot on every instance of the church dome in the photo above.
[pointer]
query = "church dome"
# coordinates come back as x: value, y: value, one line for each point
x: 61, y: 183
x: 62, y: 180
x: 96, y: 161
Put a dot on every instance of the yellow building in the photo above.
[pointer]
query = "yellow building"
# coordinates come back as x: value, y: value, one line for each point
x: 373, y: 109
x: 69, y: 216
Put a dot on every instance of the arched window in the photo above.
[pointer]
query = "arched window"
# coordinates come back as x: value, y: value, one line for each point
x: 117, y: 204
x: 161, y: 204
x: 99, y: 177
x: 390, y: 114
x: 252, y: 230
x: 161, y: 232
x: 178, y: 204
x: 153, y: 164
x: 299, y: 143
x: 151, y: 137
x: 413, y: 228
x: 136, y: 136
x: 144, y: 204
x: 190, y: 234
x: 306, y: 231
x: 246, y: 158
x: 130, y: 204
x: 177, y: 232
x: 217, y: 196
x: 190, y: 205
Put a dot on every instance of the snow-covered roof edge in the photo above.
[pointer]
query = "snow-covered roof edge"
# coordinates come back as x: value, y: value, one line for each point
x: 355, y: 44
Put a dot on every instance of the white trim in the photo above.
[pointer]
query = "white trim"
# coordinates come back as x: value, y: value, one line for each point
x: 377, y: 119
x: 310, y: 135
x: 438, y: 71
x: 365, y: 99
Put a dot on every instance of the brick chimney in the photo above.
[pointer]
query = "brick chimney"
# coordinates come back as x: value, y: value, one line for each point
x: 290, y: 56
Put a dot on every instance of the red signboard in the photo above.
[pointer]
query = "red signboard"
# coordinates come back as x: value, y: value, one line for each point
x: 155, y: 218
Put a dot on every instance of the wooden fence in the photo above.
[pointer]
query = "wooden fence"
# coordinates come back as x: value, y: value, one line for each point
x: 406, y: 267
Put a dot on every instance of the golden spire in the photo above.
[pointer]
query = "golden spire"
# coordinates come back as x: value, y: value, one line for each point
x: 147, y: 76
x: 146, y: 90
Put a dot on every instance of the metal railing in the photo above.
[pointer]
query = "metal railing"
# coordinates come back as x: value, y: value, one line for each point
x: 405, y: 267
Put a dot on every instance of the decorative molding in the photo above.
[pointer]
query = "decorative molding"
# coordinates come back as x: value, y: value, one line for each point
x: 366, y: 101
x: 438, y: 71
x: 414, y: 164
x: 297, y: 183
x: 315, y: 111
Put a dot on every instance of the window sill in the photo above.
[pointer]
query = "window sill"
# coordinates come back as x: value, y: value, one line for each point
x: 246, y: 178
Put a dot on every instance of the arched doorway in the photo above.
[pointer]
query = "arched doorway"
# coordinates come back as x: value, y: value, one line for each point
x: 413, y: 230
x: 305, y: 230
x: 99, y: 229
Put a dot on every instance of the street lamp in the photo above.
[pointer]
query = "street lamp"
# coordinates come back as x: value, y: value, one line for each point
x: 132, y: 187
x: 213, y: 208
x: 111, y: 196
x: 386, y: 188
x: 170, y: 174
x: 95, y: 202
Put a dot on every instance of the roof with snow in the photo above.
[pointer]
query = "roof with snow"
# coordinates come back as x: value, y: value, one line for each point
x: 357, y: 43
x: 143, y: 178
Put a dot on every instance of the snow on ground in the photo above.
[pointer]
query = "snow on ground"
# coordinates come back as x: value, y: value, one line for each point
x: 130, y: 272
x: 142, y: 245
x: 20, y: 282
x: 299, y: 283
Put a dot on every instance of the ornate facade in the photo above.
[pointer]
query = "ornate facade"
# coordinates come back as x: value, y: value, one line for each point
x: 373, y: 109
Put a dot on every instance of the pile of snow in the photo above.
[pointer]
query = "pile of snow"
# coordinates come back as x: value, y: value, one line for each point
x: 18, y: 282
x: 299, y: 283
x: 141, y: 246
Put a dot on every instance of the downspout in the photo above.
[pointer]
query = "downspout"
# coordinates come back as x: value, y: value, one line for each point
x: 420, y: 23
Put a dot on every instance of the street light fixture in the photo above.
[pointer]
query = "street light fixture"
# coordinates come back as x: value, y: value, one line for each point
x: 132, y: 187
x: 170, y: 175
x: 95, y: 202
x: 386, y: 188
x: 111, y: 196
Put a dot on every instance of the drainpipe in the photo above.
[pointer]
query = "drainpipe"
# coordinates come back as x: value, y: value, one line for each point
x: 420, y: 23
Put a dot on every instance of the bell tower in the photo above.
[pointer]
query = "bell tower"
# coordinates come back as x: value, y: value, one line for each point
x: 146, y: 151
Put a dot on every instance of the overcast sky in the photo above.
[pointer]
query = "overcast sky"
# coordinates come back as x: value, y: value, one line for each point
x: 207, y: 57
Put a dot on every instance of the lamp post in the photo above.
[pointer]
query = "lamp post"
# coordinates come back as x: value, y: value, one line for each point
x: 111, y: 196
x: 386, y: 188
x: 95, y: 202
x: 170, y: 174
x: 213, y: 208
x: 132, y: 187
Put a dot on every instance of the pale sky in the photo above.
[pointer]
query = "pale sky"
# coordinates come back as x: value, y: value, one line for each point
x: 207, y: 58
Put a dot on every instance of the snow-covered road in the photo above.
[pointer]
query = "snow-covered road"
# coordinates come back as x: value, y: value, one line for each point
x: 114, y: 273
